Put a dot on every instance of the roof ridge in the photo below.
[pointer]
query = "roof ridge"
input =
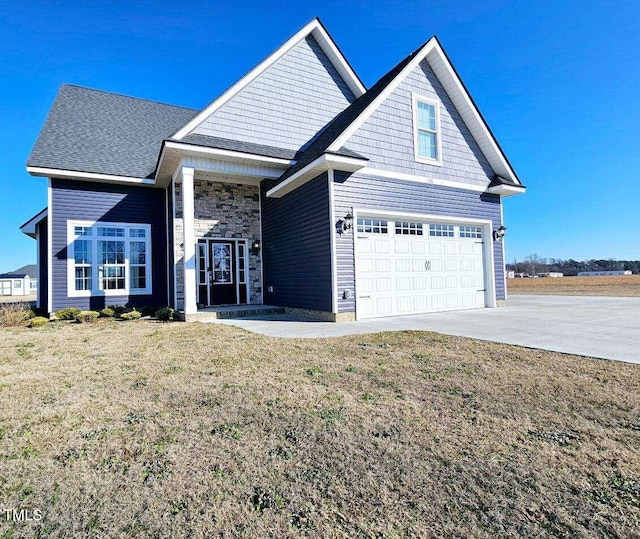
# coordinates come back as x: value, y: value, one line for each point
x: 119, y: 94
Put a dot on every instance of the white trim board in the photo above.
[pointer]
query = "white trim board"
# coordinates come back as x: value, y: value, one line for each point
x: 327, y: 44
x: 366, y: 171
x: 75, y: 175
x: 196, y: 150
x: 49, y: 247
x: 334, y: 254
x: 29, y: 228
x: 434, y: 54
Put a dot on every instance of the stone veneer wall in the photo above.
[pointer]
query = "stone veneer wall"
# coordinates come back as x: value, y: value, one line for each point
x: 222, y: 210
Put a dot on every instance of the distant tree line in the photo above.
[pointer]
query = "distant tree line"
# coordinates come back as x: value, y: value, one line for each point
x: 533, y: 264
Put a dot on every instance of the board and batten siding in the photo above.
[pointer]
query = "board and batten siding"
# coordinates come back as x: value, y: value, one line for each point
x: 43, y: 268
x: 90, y: 201
x: 296, y: 246
x: 382, y: 194
x: 286, y: 105
x: 387, y: 136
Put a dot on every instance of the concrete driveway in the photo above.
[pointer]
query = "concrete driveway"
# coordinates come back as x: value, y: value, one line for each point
x: 602, y: 327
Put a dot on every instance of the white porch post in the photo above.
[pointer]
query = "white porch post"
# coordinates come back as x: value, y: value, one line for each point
x: 189, y: 241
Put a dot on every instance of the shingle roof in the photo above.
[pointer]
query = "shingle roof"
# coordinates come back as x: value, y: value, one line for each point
x: 13, y: 276
x: 94, y: 131
x: 31, y: 270
x: 238, y: 146
x: 343, y: 120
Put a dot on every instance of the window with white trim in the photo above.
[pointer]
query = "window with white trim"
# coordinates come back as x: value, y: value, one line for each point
x: 441, y: 231
x: 471, y: 232
x: 109, y: 259
x: 372, y: 226
x: 408, y: 228
x: 426, y: 122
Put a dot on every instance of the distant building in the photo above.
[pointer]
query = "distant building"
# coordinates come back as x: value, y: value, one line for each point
x: 594, y: 273
x: 550, y: 274
x: 21, y: 282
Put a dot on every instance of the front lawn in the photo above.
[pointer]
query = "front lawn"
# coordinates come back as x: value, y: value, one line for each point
x: 117, y: 429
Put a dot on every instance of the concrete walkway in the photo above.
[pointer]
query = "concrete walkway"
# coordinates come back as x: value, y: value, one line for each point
x: 602, y: 327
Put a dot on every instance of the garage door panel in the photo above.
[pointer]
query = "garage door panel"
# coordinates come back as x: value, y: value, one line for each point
x: 401, y: 271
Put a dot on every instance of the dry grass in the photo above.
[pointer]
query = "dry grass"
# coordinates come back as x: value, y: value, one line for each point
x: 14, y: 314
x: 188, y: 430
x: 612, y: 285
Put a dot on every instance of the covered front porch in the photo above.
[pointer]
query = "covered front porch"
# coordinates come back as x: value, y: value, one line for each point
x: 216, y: 239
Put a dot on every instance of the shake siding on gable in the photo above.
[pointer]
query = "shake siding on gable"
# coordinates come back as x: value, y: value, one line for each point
x: 78, y: 200
x: 287, y: 105
x: 296, y: 246
x: 386, y: 137
x: 373, y: 193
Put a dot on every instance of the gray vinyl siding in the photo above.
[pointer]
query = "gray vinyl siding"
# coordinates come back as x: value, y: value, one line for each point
x: 296, y: 246
x: 78, y: 200
x: 43, y: 268
x: 386, y: 137
x: 374, y: 193
x: 286, y: 105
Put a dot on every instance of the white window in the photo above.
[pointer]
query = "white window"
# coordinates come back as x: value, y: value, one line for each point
x: 108, y: 259
x: 426, y: 125
x: 470, y: 232
x: 372, y: 226
x: 17, y: 284
x: 441, y: 231
x: 408, y: 228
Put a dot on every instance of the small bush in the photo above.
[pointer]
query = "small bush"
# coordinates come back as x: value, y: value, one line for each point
x: 30, y: 314
x: 148, y: 310
x: 68, y: 313
x: 119, y: 309
x: 132, y: 315
x: 14, y: 314
x: 107, y: 312
x: 87, y: 316
x: 166, y: 314
x: 38, y: 322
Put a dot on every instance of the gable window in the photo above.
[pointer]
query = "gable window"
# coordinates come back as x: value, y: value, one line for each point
x: 426, y: 125
x: 108, y: 259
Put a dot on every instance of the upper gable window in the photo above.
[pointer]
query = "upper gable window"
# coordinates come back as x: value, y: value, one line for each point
x: 426, y: 125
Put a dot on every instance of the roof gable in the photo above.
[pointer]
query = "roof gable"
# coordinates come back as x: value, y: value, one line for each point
x: 104, y: 133
x: 437, y: 59
x: 286, y: 100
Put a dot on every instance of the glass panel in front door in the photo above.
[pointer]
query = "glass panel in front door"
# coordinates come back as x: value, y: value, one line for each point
x: 222, y: 267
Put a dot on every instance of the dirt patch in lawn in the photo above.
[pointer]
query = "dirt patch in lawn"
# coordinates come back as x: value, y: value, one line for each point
x: 188, y: 430
x: 612, y: 285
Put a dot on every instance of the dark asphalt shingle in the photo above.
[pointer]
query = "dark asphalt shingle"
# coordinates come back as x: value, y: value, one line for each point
x: 94, y: 131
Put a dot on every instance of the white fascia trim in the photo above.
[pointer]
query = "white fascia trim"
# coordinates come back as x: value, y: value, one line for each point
x: 421, y: 179
x: 324, y: 40
x: 29, y: 228
x: 506, y: 190
x: 323, y: 163
x: 73, y: 174
x: 49, y: 247
x: 461, y: 100
x: 228, y: 153
x: 445, y: 219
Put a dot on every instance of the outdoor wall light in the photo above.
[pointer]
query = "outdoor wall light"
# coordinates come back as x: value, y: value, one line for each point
x: 255, y: 247
x: 499, y: 234
x: 347, y: 222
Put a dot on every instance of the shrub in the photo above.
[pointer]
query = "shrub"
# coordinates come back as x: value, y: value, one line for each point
x: 132, y: 315
x: 69, y: 313
x: 87, y: 316
x: 166, y: 314
x: 38, y: 322
x: 107, y: 312
x: 148, y: 310
x: 30, y: 314
x: 119, y: 309
x: 14, y: 314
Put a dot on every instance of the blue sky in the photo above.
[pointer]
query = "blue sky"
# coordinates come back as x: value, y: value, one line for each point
x: 558, y: 82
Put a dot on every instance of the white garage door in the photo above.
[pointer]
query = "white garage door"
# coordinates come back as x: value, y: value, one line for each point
x: 409, y: 267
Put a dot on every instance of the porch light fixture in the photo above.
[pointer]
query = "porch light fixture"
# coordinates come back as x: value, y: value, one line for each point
x: 255, y: 247
x: 499, y: 234
x: 346, y: 222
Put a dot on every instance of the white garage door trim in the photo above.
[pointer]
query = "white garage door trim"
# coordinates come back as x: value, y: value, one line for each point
x: 487, y: 251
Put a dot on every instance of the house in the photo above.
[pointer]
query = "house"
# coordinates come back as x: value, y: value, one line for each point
x: 553, y: 274
x: 21, y: 282
x: 298, y: 187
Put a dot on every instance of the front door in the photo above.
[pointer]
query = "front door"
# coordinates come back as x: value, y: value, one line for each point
x: 222, y: 271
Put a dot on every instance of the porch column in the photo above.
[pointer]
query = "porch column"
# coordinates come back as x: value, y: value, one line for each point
x: 189, y: 241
